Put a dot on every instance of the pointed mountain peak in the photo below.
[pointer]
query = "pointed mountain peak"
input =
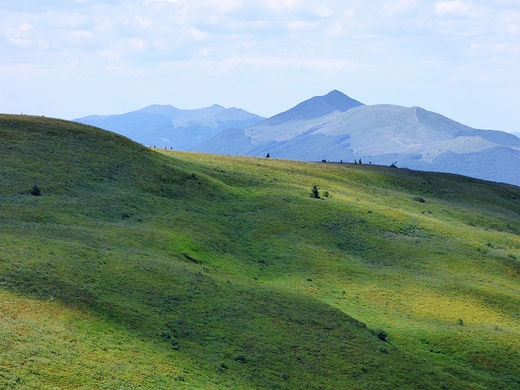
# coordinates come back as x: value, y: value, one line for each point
x: 338, y: 100
x: 315, y: 107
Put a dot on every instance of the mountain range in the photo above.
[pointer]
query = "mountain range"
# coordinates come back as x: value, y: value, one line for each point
x: 167, y: 126
x: 334, y: 128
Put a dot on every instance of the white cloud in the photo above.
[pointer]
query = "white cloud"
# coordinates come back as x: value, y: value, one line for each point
x: 19, y: 35
x: 301, y: 26
x: 335, y: 30
x: 194, y: 34
x: 103, y: 23
x: 452, y: 8
x: 294, y: 45
x: 81, y: 34
x: 226, y: 5
x: 234, y: 64
x: 282, y: 5
x: 393, y: 7
x: 512, y: 23
x: 323, y: 11
x: 137, y: 44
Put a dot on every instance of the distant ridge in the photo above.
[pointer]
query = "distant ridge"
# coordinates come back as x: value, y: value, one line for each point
x: 332, y: 127
x: 338, y: 128
x: 168, y: 126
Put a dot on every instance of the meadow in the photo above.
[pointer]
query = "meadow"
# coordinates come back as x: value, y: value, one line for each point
x: 136, y: 268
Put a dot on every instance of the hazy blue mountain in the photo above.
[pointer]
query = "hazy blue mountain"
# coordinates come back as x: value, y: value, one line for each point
x: 337, y: 128
x: 164, y: 125
x: 315, y: 107
x: 517, y: 134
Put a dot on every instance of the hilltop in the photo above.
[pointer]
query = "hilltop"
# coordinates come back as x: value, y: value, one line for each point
x: 142, y: 268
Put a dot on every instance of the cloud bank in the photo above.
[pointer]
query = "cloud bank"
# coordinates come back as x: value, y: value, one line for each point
x: 265, y: 56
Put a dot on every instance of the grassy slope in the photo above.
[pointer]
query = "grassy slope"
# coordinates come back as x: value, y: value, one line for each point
x: 138, y: 269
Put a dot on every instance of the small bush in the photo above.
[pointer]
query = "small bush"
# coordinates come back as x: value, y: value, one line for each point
x: 36, y: 190
x: 381, y: 334
x: 419, y: 199
x: 460, y: 322
x: 315, y: 192
x: 222, y: 367
x: 241, y: 359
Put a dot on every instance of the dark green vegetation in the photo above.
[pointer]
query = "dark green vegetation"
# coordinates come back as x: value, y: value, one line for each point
x: 138, y: 269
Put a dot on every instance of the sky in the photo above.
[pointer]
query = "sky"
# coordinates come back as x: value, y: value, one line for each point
x: 73, y: 58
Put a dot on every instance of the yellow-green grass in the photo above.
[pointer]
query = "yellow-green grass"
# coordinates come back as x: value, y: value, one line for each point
x: 139, y: 269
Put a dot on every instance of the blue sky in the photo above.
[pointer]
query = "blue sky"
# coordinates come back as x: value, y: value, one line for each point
x: 72, y: 58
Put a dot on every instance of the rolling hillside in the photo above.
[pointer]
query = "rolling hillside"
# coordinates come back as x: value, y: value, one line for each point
x: 127, y: 267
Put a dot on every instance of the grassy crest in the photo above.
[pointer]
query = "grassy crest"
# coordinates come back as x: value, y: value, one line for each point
x: 139, y: 269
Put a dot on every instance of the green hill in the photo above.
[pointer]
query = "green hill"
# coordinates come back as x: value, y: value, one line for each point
x: 137, y: 268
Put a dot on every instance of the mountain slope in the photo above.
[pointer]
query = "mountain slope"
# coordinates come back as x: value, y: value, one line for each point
x: 138, y: 269
x: 313, y: 108
x: 172, y: 127
x: 380, y: 134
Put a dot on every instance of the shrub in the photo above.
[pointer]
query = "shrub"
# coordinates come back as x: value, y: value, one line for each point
x: 36, y: 190
x: 241, y: 359
x: 222, y: 367
x: 315, y: 192
x: 381, y: 334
